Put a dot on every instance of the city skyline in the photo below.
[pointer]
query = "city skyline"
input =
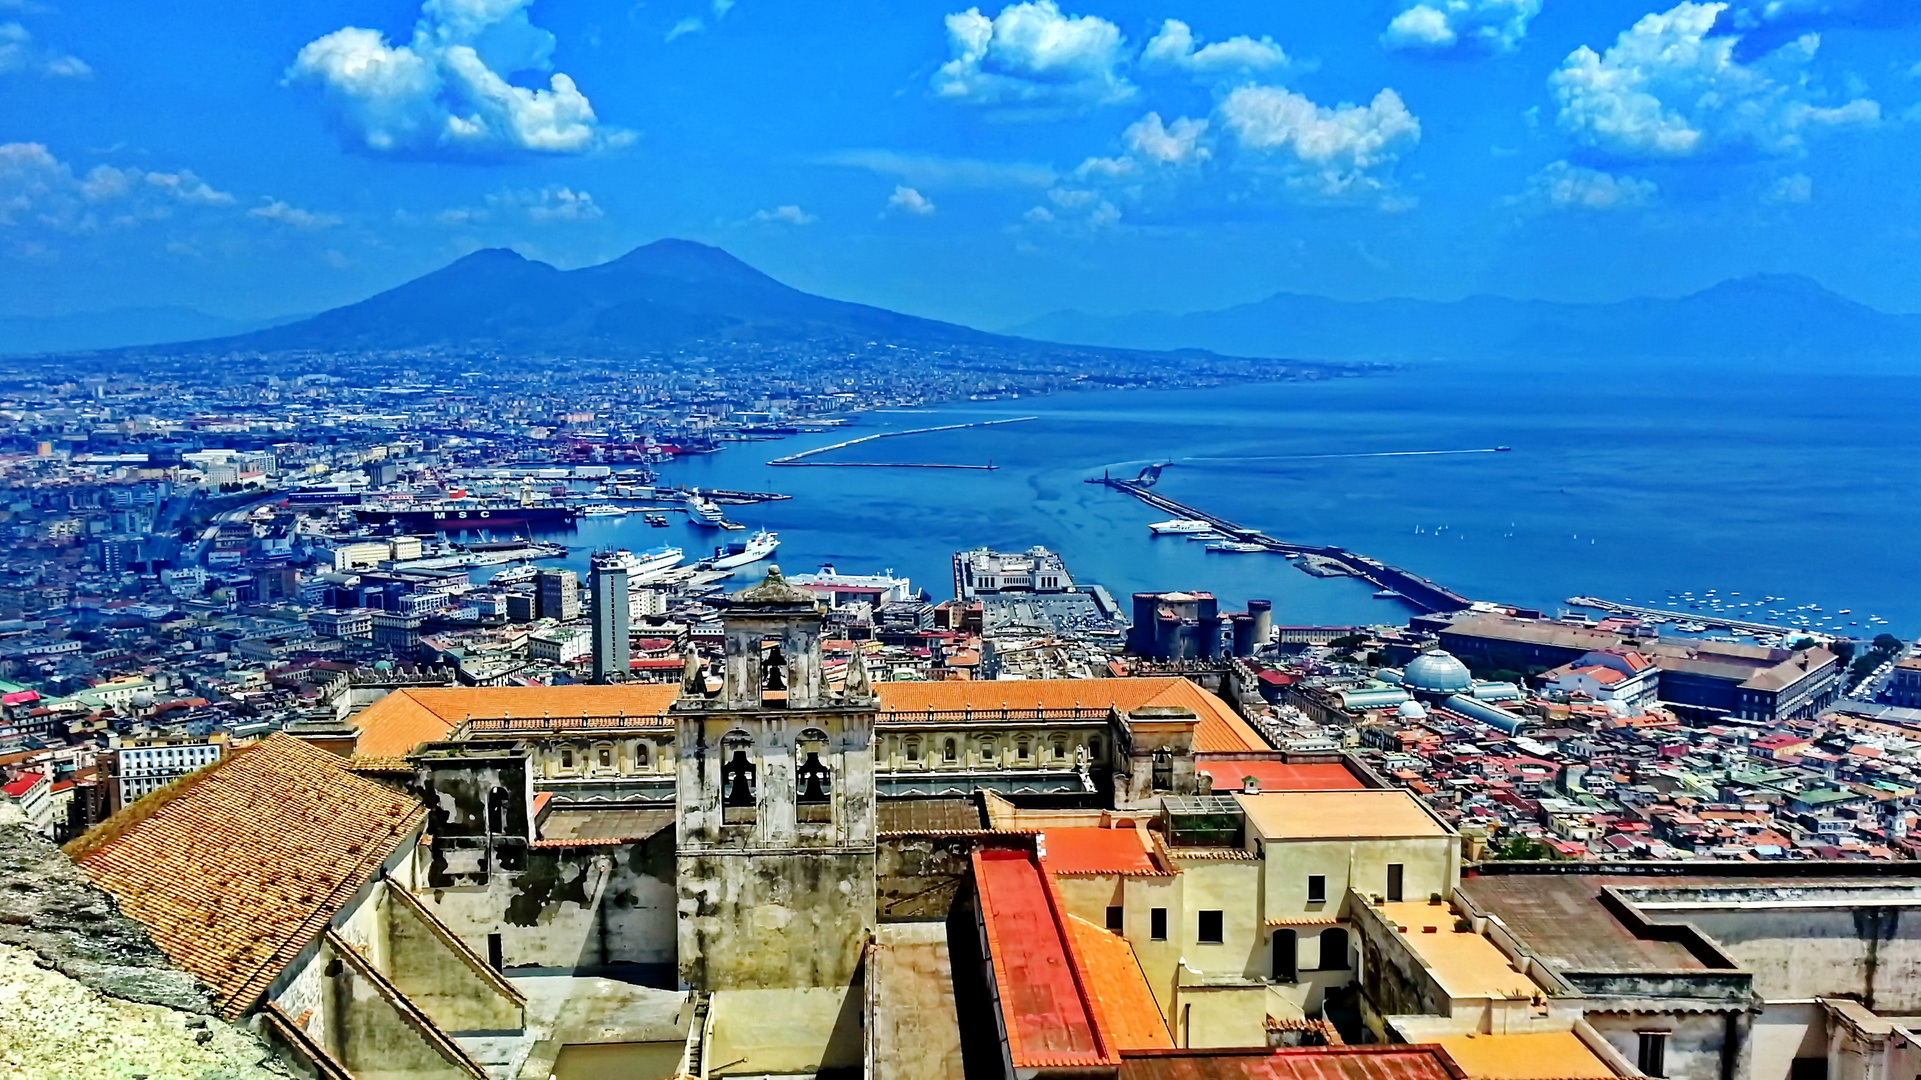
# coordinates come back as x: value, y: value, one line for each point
x: 980, y: 165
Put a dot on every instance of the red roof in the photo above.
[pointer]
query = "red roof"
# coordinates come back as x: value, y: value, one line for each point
x: 1419, y: 1062
x: 20, y: 787
x: 1097, y: 851
x: 1279, y: 775
x: 20, y: 697
x: 1048, y: 1021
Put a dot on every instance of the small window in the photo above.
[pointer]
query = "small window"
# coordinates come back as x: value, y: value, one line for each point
x: 1317, y: 888
x: 606, y: 757
x: 640, y: 755
x: 1094, y: 748
x: 1394, y: 876
x: 1653, y: 1057
x: 1163, y: 770
x: 1020, y: 749
x: 1209, y: 932
x: 1060, y: 749
x: 1285, y: 952
x: 567, y: 758
x: 1114, y: 916
x: 987, y: 749
x: 495, y: 953
x: 1157, y: 924
x: 947, y: 750
x: 913, y: 749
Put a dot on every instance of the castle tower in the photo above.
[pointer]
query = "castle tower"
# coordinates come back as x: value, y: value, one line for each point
x: 775, y: 805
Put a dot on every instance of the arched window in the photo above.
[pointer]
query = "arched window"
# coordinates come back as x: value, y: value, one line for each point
x: 913, y: 749
x: 947, y: 751
x: 1163, y: 770
x: 813, y: 779
x: 640, y: 755
x: 1334, y: 950
x: 1285, y: 952
x: 1020, y: 749
x: 739, y: 779
x: 1060, y: 749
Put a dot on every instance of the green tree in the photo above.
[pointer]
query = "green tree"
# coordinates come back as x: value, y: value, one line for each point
x: 1523, y: 847
x: 1887, y: 643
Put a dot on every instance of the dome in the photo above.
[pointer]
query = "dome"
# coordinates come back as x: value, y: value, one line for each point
x: 1437, y: 672
x: 1411, y: 710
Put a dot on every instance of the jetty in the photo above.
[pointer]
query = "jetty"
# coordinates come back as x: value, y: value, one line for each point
x: 1416, y: 590
x: 1706, y: 618
x: 800, y: 459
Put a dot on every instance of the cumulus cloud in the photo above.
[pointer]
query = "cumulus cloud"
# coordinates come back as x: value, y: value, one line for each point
x: 1033, y: 57
x: 785, y: 215
x: 1670, y: 87
x: 1573, y: 187
x: 18, y: 53
x: 906, y: 200
x: 1797, y: 188
x: 541, y: 206
x: 1441, y: 25
x: 1152, y: 143
x: 39, y: 190
x: 1330, y: 152
x: 1175, y: 48
x: 292, y: 216
x: 935, y: 170
x: 446, y: 90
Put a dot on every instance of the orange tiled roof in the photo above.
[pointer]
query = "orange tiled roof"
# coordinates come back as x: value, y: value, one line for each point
x: 235, y: 869
x: 1221, y: 730
x: 401, y: 722
x: 1099, y: 851
x: 1123, y: 1003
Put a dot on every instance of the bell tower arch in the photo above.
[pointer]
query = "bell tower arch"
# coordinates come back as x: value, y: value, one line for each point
x: 775, y: 803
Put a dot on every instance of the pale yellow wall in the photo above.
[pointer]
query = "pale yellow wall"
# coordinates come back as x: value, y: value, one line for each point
x: 1430, y: 865
x: 987, y: 746
x: 631, y: 755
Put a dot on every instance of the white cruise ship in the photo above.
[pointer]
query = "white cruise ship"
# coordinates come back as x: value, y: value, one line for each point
x: 737, y: 554
x: 704, y: 512
x: 646, y: 567
x: 1179, y: 526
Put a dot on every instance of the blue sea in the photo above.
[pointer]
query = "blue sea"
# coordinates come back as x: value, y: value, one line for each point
x: 1623, y: 482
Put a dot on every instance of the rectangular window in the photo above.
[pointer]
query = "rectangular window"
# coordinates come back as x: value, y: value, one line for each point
x: 1157, y: 924
x: 1394, y: 876
x: 1653, y: 1058
x: 495, y: 953
x: 1210, y: 928
x: 1114, y: 918
x: 1316, y: 888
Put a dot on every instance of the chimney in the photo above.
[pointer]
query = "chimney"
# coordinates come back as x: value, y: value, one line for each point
x: 1250, y: 785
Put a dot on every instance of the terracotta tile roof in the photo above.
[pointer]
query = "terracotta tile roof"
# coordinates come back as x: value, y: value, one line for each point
x: 236, y: 868
x: 1279, y: 775
x: 1221, y: 729
x: 1123, y: 1003
x: 401, y: 722
x: 1048, y: 1021
x: 1420, y: 1062
x: 1099, y: 851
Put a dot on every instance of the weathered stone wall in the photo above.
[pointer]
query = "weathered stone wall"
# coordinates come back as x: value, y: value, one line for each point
x: 1696, y: 1041
x: 1871, y: 953
x: 479, y: 813
x: 571, y: 907
x: 919, y: 877
x: 779, y: 919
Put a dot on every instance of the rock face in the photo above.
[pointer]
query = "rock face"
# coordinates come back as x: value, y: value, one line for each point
x: 85, y: 992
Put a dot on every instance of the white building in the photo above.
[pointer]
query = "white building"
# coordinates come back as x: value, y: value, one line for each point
x: 982, y: 572
x: 136, y: 771
x: 560, y: 646
x: 840, y: 589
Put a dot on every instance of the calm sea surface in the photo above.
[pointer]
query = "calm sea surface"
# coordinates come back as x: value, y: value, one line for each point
x: 1622, y: 483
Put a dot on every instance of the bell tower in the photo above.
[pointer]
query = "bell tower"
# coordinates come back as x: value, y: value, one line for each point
x: 775, y: 804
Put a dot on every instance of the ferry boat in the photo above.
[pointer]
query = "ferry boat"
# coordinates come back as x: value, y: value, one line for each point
x: 1236, y: 546
x: 1180, y: 525
x: 602, y: 510
x: 704, y: 512
x: 658, y: 521
x: 646, y: 567
x: 755, y: 548
x: 463, y: 514
x: 514, y: 575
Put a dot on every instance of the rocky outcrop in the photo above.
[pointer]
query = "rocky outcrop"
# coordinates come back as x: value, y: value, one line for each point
x: 85, y: 992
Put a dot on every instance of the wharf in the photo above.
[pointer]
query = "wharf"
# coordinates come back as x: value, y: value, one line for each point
x: 1416, y: 590
x: 492, y: 557
x: 800, y: 458
x: 1705, y: 618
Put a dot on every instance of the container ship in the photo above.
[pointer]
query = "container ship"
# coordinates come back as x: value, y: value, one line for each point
x: 464, y: 514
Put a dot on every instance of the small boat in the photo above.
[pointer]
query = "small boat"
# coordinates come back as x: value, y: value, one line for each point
x: 1179, y: 526
x: 1207, y: 537
x: 658, y: 521
x: 602, y: 510
x: 1387, y: 594
x: 1503, y: 449
x: 1236, y: 546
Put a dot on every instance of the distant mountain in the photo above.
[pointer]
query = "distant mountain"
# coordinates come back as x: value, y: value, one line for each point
x: 116, y: 328
x: 667, y: 294
x: 1767, y: 319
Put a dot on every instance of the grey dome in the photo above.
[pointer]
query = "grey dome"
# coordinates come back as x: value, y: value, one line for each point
x: 1437, y: 672
x: 1411, y: 710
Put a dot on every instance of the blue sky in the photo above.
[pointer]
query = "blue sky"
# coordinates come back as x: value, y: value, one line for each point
x: 979, y: 164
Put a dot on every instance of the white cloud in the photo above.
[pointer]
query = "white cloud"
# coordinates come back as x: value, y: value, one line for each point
x: 447, y: 89
x: 1174, y: 48
x: 1032, y: 56
x: 933, y: 170
x: 1330, y: 152
x: 906, y: 200
x: 1668, y: 88
x: 691, y: 24
x: 1797, y: 188
x: 1792, y: 14
x: 785, y: 215
x: 1574, y: 187
x: 292, y: 216
x: 540, y: 206
x: 1437, y: 25
x: 38, y: 190
x: 1150, y: 144
x: 722, y: 7
x: 18, y: 53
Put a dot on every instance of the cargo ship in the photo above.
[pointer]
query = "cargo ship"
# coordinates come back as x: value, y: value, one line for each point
x: 464, y: 514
